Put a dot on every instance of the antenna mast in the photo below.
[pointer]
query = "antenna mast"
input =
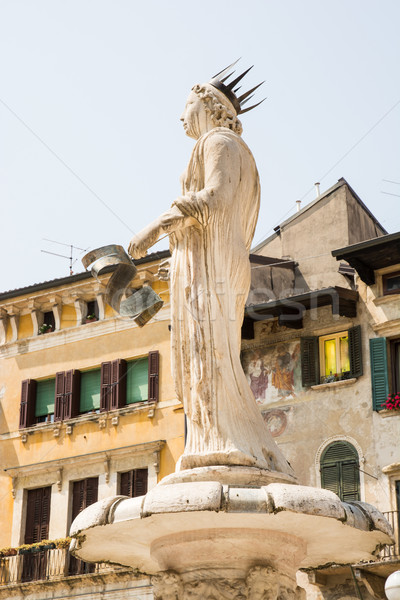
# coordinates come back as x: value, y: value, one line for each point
x: 70, y: 257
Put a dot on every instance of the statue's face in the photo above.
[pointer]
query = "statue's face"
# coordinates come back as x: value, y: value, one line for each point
x: 194, y: 117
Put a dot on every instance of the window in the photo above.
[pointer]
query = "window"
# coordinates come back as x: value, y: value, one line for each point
x: 90, y: 391
x: 48, y: 319
x: 114, y: 385
x: 92, y: 311
x: 84, y: 493
x: 331, y: 357
x: 137, y: 380
x: 395, y: 363
x: 383, y: 379
x: 45, y: 400
x: 340, y: 471
x: 133, y: 483
x: 36, y: 530
x: 391, y: 283
x: 334, y: 357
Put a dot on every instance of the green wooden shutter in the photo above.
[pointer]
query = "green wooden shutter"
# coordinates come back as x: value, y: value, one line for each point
x: 330, y: 478
x: 355, y: 351
x: 340, y: 471
x: 90, y: 391
x: 309, y: 361
x: 137, y: 384
x: 45, y: 395
x: 379, y: 372
x: 350, y: 476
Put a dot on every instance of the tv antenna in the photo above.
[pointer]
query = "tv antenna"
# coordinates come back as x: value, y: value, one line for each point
x: 70, y: 257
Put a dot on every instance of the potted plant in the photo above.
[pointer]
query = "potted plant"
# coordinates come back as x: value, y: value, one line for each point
x: 25, y: 549
x: 90, y: 318
x: 62, y: 543
x: 8, y: 552
x: 392, y: 402
x: 45, y: 328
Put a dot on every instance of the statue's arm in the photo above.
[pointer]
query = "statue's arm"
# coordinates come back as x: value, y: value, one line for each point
x: 167, y: 223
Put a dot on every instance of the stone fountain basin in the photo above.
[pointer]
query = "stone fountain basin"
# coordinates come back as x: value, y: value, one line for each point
x: 191, y: 525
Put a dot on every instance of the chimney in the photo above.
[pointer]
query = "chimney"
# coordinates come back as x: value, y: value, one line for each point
x: 317, y: 188
x: 298, y: 202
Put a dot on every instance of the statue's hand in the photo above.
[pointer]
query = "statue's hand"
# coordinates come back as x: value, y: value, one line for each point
x: 137, y: 247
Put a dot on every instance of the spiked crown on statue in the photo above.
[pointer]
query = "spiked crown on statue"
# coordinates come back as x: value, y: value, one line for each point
x: 218, y: 81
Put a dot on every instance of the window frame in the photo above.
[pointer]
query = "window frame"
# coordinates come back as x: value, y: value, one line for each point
x: 310, y: 357
x: 385, y: 278
x: 336, y: 337
x: 394, y: 352
x: 357, y: 458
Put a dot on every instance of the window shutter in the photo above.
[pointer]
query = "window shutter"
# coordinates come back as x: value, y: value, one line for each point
x: 92, y: 485
x: 350, y: 482
x: 105, y: 386
x: 45, y: 517
x: 141, y: 476
x: 72, y: 393
x: 330, y: 478
x: 60, y: 398
x: 126, y: 481
x: 340, y: 471
x: 37, y: 515
x: 84, y: 493
x: 78, y: 498
x: 355, y: 351
x: 154, y: 363
x: 309, y: 361
x: 27, y: 407
x: 118, y: 384
x: 379, y: 378
x: 134, y: 483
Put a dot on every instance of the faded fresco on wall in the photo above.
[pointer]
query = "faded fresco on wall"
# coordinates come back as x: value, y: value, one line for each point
x: 273, y: 372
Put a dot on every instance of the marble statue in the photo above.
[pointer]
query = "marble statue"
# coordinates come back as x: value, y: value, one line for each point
x: 211, y: 227
x: 231, y: 523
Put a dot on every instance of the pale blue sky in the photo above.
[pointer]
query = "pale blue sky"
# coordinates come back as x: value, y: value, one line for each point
x: 92, y: 90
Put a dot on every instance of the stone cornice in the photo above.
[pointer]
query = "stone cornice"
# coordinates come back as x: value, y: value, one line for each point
x: 94, y: 457
x: 388, y: 328
x: 75, y: 334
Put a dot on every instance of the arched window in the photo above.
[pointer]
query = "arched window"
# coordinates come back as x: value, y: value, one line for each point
x: 340, y: 471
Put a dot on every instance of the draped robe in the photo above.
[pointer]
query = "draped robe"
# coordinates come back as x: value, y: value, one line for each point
x: 210, y: 282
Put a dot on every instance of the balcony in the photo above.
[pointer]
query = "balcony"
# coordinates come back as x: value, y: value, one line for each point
x: 392, y: 552
x: 46, y: 565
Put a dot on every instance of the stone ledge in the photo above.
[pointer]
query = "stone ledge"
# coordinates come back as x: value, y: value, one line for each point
x: 333, y: 384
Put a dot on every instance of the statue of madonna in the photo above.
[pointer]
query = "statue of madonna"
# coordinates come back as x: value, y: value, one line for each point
x: 211, y: 227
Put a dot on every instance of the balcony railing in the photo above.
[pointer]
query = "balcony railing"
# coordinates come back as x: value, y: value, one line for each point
x: 392, y: 552
x: 45, y: 564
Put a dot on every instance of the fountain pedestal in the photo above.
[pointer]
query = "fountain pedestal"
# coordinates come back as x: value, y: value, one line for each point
x: 219, y: 542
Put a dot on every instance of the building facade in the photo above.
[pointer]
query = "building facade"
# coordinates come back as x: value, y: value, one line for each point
x: 88, y: 408
x: 321, y: 353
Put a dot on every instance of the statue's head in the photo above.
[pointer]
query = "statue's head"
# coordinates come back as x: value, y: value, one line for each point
x: 215, y: 104
x: 207, y: 108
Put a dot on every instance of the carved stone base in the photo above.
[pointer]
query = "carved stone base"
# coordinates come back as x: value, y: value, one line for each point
x: 228, y: 475
x: 259, y: 583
